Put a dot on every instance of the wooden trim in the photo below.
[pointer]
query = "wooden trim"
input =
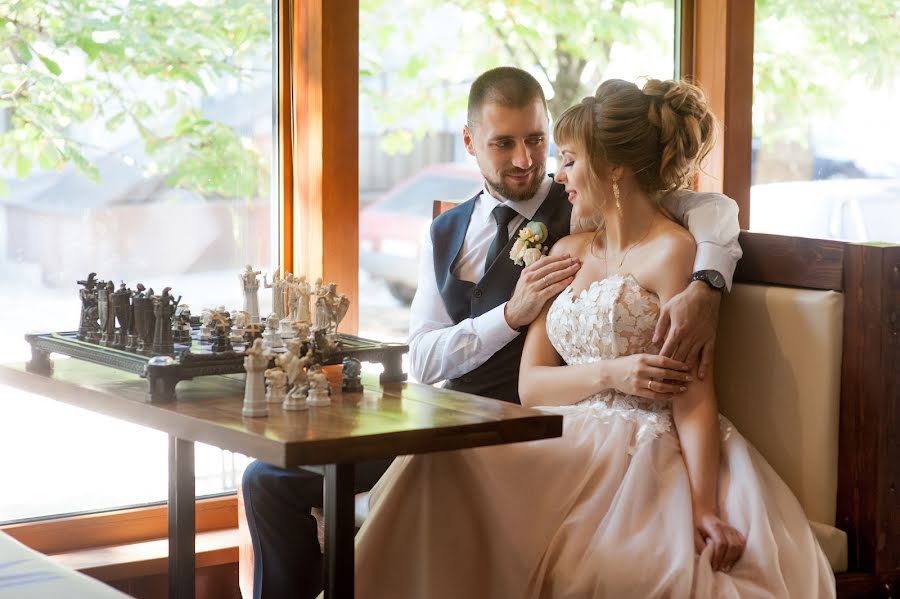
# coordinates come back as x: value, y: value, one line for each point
x: 792, y: 261
x: 117, y: 528
x: 325, y: 84
x: 722, y: 64
x: 285, y: 137
x: 868, y: 507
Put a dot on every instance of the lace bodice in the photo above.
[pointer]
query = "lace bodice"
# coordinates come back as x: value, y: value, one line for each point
x: 611, y: 318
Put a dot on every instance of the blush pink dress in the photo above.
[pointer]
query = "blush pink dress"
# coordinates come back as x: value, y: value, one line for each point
x: 602, y: 512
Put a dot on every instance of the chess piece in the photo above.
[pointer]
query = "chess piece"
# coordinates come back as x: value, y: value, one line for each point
x: 181, y: 324
x: 133, y: 339
x: 144, y: 320
x: 350, y: 375
x: 87, y: 324
x: 107, y: 308
x: 250, y: 287
x: 220, y: 325
x: 271, y: 338
x: 252, y: 331
x: 255, y: 363
x: 303, y: 293
x: 122, y: 301
x: 295, y: 368
x: 276, y: 381
x: 319, y: 389
x: 239, y: 321
x: 163, y: 309
x: 278, y: 287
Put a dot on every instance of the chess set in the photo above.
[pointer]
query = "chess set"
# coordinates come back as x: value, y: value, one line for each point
x: 157, y: 337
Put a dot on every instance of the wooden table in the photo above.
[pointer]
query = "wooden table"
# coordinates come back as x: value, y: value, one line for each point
x: 382, y: 421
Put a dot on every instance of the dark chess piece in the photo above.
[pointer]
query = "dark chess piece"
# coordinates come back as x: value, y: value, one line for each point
x: 181, y: 324
x: 163, y: 309
x: 351, y: 369
x: 252, y: 331
x: 134, y: 337
x: 88, y: 325
x: 145, y: 321
x: 122, y: 301
x: 107, y: 308
x: 220, y: 325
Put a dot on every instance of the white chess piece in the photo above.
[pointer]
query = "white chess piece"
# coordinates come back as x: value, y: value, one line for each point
x: 255, y: 362
x: 250, y: 287
x: 271, y: 338
x: 276, y: 389
x: 318, y: 389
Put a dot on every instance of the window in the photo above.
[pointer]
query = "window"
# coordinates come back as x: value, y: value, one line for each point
x: 826, y: 82
x: 415, y: 75
x: 137, y: 143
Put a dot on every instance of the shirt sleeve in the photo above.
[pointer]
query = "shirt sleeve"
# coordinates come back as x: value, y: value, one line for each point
x: 439, y: 349
x: 712, y: 218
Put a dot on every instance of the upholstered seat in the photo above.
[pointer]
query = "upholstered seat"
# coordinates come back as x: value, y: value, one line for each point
x: 778, y: 379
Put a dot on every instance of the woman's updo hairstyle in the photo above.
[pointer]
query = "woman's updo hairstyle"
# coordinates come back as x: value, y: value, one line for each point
x: 661, y: 132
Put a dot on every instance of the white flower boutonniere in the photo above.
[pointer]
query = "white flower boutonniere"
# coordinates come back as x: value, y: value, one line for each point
x: 530, y: 245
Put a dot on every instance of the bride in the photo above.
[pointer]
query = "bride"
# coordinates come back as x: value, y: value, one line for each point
x: 638, y: 498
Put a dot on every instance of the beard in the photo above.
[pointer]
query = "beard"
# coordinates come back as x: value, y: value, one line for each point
x: 517, y: 194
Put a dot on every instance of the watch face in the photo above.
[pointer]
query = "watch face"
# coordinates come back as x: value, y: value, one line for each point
x: 715, y: 278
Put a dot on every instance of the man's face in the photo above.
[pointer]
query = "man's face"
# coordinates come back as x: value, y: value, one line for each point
x: 510, y: 145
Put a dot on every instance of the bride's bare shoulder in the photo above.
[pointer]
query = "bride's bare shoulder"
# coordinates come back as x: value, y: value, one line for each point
x: 672, y: 242
x: 576, y: 244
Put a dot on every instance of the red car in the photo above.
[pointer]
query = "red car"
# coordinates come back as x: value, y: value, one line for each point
x: 391, y: 228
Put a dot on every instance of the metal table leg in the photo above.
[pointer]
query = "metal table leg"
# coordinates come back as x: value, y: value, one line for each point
x: 339, y: 531
x: 181, y: 518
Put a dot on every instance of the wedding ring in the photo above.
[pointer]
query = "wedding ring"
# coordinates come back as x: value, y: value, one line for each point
x: 543, y: 281
x: 648, y: 385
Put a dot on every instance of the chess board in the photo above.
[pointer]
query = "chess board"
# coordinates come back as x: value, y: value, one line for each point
x: 195, y: 359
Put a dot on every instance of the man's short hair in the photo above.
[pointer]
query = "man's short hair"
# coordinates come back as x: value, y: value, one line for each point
x: 507, y: 86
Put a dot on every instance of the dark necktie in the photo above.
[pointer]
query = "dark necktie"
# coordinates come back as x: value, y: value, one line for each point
x: 503, y: 214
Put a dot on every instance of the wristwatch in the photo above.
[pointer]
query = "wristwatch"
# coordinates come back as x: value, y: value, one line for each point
x: 713, y: 278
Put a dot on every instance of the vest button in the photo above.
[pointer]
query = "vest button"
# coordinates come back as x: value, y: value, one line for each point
x: 478, y: 293
x: 467, y: 379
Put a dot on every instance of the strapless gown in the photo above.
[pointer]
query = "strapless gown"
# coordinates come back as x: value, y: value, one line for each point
x: 602, y: 512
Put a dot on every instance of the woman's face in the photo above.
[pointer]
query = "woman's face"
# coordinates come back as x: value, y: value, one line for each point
x: 574, y: 175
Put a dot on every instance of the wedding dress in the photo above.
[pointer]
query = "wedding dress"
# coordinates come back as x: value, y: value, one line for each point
x: 603, y: 511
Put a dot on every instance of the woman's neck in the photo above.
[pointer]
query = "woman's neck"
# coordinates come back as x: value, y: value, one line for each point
x: 628, y: 226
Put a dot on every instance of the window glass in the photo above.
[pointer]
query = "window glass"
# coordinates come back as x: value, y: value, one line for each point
x: 136, y: 143
x: 418, y: 59
x: 826, y: 80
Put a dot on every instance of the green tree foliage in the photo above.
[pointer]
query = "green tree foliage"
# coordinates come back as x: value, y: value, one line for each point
x: 67, y: 62
x: 568, y: 44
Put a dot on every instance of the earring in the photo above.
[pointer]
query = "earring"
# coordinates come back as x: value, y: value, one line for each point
x: 616, y: 195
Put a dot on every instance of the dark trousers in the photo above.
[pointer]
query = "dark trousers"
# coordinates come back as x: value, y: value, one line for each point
x: 287, y: 562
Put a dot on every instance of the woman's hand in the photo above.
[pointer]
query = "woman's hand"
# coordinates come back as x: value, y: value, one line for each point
x: 728, y: 544
x: 649, y: 376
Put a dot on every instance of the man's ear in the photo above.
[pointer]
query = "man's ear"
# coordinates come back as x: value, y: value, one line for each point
x: 467, y: 139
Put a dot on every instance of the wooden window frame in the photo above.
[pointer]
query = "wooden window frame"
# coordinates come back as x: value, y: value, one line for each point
x: 316, y: 97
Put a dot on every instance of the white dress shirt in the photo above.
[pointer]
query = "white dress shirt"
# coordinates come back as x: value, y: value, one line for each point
x: 439, y: 349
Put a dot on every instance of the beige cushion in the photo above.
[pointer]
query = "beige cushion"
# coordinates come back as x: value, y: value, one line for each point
x: 778, y: 363
x: 833, y: 542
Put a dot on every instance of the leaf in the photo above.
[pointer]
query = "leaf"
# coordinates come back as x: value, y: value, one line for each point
x: 23, y: 51
x: 115, y: 122
x: 51, y: 65
x: 23, y: 166
x: 4, y: 188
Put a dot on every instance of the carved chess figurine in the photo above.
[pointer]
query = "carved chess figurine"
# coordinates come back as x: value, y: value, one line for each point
x: 276, y: 380
x: 205, y: 324
x: 239, y: 321
x: 277, y: 286
x: 271, y: 338
x: 250, y: 287
x: 145, y: 321
x: 133, y: 340
x: 164, y: 309
x: 181, y: 324
x: 252, y: 331
x: 303, y: 293
x: 319, y: 388
x: 301, y: 330
x: 255, y: 363
x: 87, y: 324
x: 295, y: 368
x: 350, y: 375
x: 122, y: 302
x: 107, y: 308
x: 220, y: 325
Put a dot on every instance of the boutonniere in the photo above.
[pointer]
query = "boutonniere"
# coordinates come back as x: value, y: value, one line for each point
x: 530, y: 245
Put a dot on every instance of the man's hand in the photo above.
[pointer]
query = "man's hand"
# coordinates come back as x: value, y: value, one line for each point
x: 688, y: 324
x: 539, y: 282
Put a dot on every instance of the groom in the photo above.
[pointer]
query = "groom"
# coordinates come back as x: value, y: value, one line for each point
x: 473, y: 305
